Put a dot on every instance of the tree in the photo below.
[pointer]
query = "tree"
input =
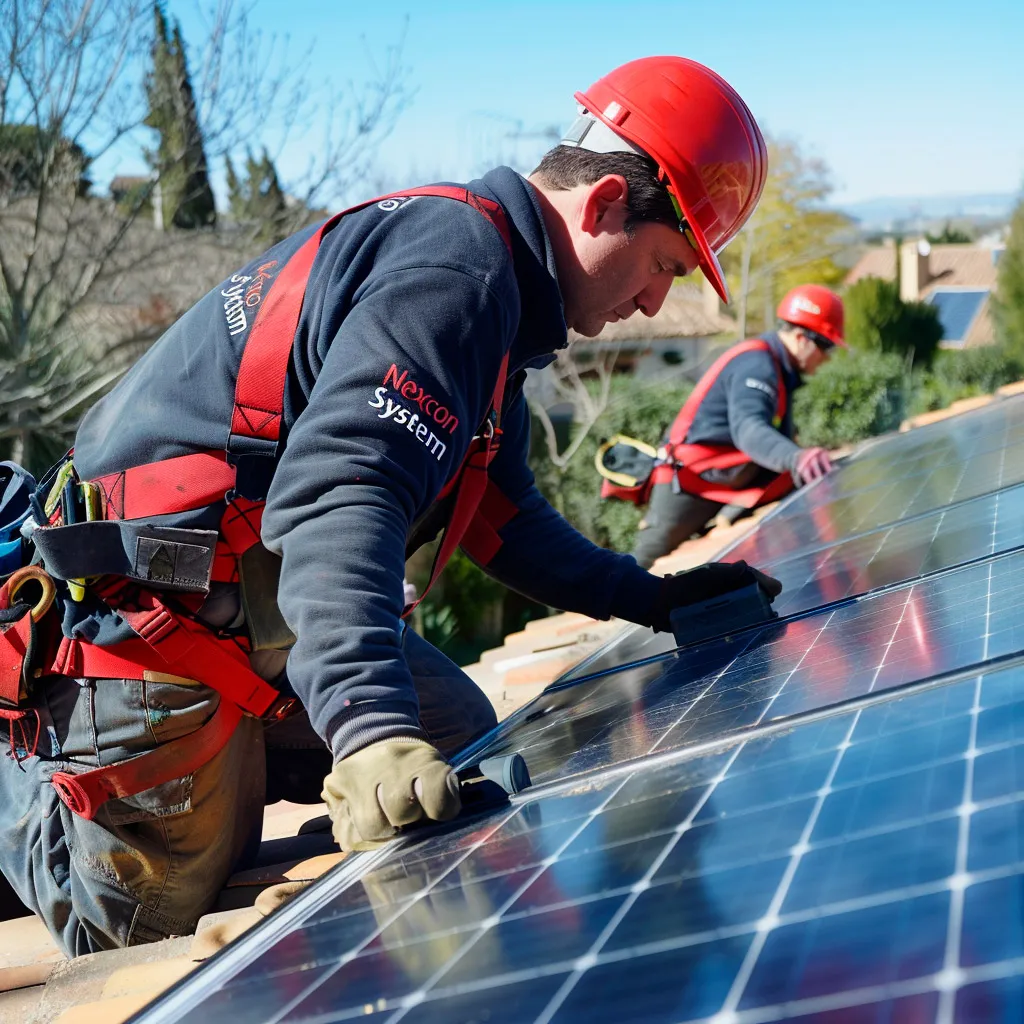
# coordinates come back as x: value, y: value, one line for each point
x: 259, y: 200
x: 792, y: 238
x: 878, y: 320
x: 1008, y: 300
x: 29, y: 155
x: 949, y: 235
x: 186, y: 199
x: 84, y: 285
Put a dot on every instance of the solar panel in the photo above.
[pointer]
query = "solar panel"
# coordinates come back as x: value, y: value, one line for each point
x: 881, y: 557
x: 820, y: 819
x: 866, y: 860
x: 945, y: 624
x: 957, y: 308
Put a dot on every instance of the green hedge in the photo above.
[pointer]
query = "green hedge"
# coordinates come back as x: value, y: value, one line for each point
x: 957, y: 374
x: 853, y: 396
x: 860, y: 394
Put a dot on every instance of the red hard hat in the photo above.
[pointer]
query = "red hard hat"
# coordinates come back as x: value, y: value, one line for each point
x: 694, y: 125
x: 815, y: 307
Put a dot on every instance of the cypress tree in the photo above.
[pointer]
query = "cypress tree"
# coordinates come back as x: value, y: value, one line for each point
x: 1008, y: 302
x: 258, y: 200
x: 186, y: 198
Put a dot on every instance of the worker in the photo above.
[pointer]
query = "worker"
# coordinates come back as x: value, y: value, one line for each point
x: 229, y: 538
x: 732, y: 442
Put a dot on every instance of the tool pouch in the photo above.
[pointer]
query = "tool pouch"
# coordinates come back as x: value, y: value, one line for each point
x: 626, y: 466
x: 16, y: 487
x: 259, y: 572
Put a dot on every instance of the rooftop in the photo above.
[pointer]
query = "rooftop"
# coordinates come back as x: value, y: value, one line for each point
x: 528, y: 889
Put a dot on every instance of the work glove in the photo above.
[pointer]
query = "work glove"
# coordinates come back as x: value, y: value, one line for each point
x: 811, y: 464
x: 375, y: 791
x: 703, y: 583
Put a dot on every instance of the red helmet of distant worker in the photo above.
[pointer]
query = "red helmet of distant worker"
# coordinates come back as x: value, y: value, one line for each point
x: 698, y: 130
x: 816, y: 308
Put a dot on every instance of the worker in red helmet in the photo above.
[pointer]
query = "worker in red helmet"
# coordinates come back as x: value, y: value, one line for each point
x: 227, y: 544
x: 732, y: 442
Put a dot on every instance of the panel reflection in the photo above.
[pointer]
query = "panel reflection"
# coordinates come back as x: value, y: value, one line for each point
x: 790, y: 875
x: 908, y: 634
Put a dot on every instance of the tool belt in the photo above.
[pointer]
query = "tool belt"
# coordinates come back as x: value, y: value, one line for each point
x: 96, y: 537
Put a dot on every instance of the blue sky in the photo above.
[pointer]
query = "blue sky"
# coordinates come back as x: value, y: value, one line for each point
x: 900, y: 98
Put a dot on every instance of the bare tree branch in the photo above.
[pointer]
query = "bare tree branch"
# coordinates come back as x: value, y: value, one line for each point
x: 72, y: 88
x: 567, y: 377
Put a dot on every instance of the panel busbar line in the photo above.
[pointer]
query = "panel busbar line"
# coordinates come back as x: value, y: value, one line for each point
x: 873, y: 859
x: 836, y: 849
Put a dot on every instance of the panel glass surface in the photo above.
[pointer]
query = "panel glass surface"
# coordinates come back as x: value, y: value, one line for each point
x: 957, y: 310
x: 871, y: 862
x: 702, y: 855
x: 902, y: 551
x: 942, y: 624
x: 896, y: 478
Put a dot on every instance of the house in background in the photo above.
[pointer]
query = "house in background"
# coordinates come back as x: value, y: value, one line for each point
x: 678, y: 338
x: 957, y: 279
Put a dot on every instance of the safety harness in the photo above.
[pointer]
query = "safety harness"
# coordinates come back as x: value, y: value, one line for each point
x: 683, y: 464
x: 92, y: 534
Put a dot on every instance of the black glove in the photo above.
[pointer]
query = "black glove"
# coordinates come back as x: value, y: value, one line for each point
x: 704, y: 582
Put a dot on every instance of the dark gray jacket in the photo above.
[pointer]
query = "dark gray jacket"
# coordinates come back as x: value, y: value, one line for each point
x: 423, y: 288
x: 740, y: 406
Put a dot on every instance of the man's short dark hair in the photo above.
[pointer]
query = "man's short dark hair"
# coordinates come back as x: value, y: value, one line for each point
x: 565, y: 167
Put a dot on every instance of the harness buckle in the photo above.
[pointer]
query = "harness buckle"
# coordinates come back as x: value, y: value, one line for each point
x: 253, y: 473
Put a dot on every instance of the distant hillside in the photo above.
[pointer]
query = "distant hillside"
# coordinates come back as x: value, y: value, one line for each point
x: 920, y: 212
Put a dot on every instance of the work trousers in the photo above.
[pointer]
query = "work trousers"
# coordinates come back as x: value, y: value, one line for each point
x: 150, y: 866
x: 670, y: 519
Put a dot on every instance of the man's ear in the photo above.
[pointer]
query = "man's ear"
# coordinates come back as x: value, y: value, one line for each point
x: 604, y: 205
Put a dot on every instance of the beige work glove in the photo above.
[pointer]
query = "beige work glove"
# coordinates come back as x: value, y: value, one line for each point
x: 390, y: 783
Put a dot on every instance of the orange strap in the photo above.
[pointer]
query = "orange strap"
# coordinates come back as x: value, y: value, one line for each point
x: 86, y: 792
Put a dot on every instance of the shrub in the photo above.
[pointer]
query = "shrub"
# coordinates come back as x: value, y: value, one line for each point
x: 877, y: 320
x: 853, y: 396
x: 964, y: 373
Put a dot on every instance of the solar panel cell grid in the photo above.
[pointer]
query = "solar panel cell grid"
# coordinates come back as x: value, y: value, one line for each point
x: 834, y: 866
x: 901, y: 551
x: 704, y: 855
x: 943, y: 624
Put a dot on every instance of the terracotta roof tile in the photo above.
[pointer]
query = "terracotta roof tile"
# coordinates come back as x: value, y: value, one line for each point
x: 683, y: 315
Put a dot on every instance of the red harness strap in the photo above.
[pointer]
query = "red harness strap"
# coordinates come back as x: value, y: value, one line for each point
x: 174, y: 644
x: 688, y: 461
x: 170, y: 644
x: 471, y: 485
x: 191, y: 482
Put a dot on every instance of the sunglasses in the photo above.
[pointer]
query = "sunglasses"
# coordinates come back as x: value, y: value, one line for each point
x: 821, y: 342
